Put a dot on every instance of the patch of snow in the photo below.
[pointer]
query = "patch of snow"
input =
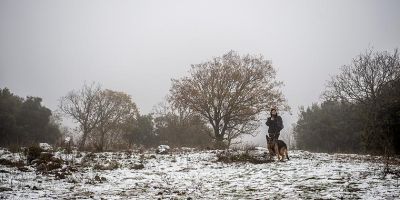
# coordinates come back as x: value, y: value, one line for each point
x: 45, y: 146
x: 163, y: 149
x: 261, y: 148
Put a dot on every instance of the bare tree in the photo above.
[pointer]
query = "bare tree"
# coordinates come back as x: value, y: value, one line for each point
x: 115, y: 111
x: 82, y: 107
x: 361, y: 83
x: 229, y: 92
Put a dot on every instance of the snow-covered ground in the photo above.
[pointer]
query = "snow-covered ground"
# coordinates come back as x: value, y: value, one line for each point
x: 192, y: 174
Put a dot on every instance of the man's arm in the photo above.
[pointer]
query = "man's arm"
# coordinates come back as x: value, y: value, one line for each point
x: 268, y: 123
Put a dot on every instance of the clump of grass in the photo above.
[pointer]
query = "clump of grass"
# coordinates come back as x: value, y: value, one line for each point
x: 109, y: 166
x: 245, y: 147
x: 10, y: 163
x: 32, y: 153
x: 239, y: 156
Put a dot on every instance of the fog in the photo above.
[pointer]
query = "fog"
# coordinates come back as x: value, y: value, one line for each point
x: 48, y: 48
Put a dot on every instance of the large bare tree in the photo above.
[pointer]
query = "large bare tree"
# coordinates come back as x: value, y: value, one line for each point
x: 229, y: 92
x: 81, y: 106
x: 361, y: 83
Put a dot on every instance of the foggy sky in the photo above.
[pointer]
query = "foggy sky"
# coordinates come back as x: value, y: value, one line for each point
x: 48, y: 48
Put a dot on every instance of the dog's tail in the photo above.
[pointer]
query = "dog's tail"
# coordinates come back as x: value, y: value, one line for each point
x: 287, y: 155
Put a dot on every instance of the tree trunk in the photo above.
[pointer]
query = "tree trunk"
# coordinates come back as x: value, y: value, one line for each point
x: 101, y: 145
x: 83, y: 140
x: 219, y: 143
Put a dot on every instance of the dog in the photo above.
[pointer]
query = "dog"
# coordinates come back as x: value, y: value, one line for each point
x: 278, y: 148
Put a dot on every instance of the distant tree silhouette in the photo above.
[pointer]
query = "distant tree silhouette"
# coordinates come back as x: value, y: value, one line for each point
x: 141, y: 132
x: 177, y: 126
x: 25, y: 121
x: 329, y: 127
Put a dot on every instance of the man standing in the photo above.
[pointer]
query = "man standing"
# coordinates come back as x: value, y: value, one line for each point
x: 275, y: 124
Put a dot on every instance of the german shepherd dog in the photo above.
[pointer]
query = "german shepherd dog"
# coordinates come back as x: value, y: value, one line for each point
x: 277, y: 147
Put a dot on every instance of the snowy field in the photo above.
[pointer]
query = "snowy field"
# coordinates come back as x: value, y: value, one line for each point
x: 191, y: 174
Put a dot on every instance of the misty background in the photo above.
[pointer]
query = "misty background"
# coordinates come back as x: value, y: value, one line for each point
x: 48, y: 48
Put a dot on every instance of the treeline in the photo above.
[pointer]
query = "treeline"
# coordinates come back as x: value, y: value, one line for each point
x: 167, y: 126
x: 360, y: 111
x: 330, y: 127
x: 108, y: 119
x: 25, y: 121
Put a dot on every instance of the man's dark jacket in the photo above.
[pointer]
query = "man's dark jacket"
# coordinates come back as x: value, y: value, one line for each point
x: 274, y: 126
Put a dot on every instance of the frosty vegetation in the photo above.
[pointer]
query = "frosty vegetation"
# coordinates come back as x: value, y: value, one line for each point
x: 188, y: 173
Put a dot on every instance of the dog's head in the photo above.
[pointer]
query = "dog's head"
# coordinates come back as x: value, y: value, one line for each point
x: 270, y: 140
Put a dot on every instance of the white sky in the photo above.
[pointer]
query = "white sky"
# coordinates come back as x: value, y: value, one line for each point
x: 48, y: 48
